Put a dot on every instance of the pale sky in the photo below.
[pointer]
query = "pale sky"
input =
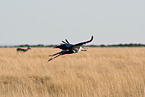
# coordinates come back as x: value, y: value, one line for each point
x: 51, y: 21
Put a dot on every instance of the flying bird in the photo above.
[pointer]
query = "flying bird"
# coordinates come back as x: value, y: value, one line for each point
x: 68, y: 48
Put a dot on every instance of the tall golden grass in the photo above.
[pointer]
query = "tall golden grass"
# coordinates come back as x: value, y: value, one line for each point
x: 99, y: 72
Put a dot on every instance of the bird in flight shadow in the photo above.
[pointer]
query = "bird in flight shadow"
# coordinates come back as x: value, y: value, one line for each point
x: 68, y: 48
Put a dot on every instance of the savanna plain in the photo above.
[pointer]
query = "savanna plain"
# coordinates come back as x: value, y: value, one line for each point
x: 98, y: 72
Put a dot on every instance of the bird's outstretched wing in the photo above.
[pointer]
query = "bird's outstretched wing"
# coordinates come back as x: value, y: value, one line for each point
x: 66, y: 41
x: 80, y: 44
x: 64, y: 46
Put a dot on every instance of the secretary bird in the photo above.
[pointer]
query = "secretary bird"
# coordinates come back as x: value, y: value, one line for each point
x: 68, y: 48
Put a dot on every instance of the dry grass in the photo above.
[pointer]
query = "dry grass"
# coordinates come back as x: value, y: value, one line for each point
x: 99, y: 72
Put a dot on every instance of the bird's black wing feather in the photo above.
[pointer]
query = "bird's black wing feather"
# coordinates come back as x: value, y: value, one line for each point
x: 80, y: 44
x: 64, y: 46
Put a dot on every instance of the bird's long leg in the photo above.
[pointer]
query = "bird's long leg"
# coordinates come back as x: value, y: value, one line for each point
x: 54, y: 57
x: 58, y: 54
x: 84, y: 49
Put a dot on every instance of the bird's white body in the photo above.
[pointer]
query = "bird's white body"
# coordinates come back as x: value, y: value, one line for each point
x: 77, y: 49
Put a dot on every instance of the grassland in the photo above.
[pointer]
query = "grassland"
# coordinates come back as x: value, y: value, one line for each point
x: 99, y: 72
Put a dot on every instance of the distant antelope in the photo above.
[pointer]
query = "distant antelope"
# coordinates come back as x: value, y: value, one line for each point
x: 23, y: 50
x: 68, y: 48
